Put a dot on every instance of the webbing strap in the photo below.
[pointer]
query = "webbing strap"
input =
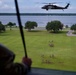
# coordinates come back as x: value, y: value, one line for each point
x: 20, y: 26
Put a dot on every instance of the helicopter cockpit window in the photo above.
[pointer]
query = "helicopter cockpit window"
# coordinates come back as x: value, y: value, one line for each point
x: 49, y: 31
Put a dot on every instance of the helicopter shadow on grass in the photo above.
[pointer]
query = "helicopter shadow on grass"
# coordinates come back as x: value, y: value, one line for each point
x: 59, y: 32
x: 35, y: 31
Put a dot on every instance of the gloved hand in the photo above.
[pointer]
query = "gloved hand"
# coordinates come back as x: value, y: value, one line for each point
x: 27, y: 61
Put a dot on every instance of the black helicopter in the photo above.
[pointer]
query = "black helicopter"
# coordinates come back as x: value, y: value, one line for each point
x: 53, y: 6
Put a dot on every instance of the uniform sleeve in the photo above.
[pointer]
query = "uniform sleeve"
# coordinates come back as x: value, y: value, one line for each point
x: 6, y: 56
x: 17, y: 69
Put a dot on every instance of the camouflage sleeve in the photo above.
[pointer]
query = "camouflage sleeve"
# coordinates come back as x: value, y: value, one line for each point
x: 20, y: 68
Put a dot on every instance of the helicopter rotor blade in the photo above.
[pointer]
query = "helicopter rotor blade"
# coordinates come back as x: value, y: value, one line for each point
x: 49, y: 3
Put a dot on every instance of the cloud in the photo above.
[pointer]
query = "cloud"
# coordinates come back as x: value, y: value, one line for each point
x: 7, y: 7
x: 73, y: 8
x: 0, y: 2
x: 4, y: 5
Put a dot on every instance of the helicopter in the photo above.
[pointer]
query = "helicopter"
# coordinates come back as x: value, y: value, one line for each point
x: 53, y: 6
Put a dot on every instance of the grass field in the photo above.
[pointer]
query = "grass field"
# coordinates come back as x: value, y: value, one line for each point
x: 37, y: 43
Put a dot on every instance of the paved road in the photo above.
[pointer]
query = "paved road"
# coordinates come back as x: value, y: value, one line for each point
x: 70, y: 33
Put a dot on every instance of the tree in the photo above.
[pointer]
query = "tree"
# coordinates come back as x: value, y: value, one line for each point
x: 30, y: 25
x: 54, y: 26
x: 67, y: 26
x: 73, y: 27
x: 2, y: 27
x: 10, y: 24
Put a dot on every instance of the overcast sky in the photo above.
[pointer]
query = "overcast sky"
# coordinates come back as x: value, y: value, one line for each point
x: 34, y: 6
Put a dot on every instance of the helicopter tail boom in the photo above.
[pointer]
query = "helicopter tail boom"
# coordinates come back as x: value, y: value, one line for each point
x: 67, y: 6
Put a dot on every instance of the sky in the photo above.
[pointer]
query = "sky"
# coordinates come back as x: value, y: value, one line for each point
x: 34, y: 6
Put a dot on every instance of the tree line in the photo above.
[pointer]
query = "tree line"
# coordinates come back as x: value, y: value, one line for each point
x: 3, y: 27
x: 53, y: 26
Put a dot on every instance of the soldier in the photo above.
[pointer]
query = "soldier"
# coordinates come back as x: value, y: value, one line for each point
x: 7, y: 65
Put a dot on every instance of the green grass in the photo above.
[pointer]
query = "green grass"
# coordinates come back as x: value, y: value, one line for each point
x: 37, y: 43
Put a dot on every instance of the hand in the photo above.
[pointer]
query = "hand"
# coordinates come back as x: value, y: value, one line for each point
x: 27, y: 61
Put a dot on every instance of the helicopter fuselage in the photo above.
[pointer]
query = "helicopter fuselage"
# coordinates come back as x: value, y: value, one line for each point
x: 47, y: 7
